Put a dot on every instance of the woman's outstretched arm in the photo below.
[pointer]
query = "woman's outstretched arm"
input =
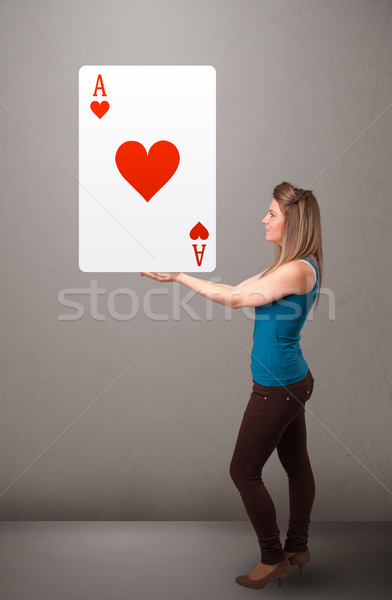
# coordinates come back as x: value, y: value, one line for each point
x: 218, y: 292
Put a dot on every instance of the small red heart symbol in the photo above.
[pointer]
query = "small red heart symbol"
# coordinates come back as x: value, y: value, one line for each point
x: 199, y: 231
x: 99, y: 108
x: 147, y: 173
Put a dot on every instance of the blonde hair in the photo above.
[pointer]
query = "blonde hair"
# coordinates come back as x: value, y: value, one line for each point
x: 301, y: 230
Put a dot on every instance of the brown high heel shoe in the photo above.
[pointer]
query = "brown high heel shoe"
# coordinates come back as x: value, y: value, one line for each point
x: 280, y: 571
x: 299, y: 558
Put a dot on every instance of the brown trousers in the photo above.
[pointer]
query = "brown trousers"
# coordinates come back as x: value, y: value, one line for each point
x: 275, y: 418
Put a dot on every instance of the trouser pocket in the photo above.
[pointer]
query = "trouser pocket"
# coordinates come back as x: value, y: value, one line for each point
x: 257, y: 402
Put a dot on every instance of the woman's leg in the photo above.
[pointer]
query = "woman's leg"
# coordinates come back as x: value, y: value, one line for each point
x: 268, y: 413
x: 293, y: 455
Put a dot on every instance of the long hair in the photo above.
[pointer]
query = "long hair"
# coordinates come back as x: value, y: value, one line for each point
x: 302, y: 228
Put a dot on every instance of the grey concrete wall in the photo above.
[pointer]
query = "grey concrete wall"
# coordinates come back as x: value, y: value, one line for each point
x: 104, y: 417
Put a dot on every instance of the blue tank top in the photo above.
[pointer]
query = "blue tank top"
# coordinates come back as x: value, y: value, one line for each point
x: 277, y: 358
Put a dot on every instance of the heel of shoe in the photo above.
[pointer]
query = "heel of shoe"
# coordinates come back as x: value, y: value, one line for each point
x: 301, y: 559
x: 281, y: 580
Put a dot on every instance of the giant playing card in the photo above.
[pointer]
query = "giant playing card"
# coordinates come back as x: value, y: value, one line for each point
x: 147, y: 162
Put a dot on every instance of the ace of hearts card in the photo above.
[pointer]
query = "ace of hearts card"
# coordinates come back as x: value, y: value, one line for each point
x: 147, y: 168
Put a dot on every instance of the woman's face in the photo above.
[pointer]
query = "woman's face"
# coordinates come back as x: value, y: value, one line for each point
x: 274, y: 223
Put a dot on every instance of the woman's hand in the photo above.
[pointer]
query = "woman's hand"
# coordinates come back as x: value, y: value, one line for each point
x: 161, y: 276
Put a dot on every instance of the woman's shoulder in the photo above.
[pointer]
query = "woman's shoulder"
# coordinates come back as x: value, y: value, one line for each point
x: 313, y: 260
x: 295, y: 266
x: 297, y: 271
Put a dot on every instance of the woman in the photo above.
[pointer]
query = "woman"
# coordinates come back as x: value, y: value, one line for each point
x: 274, y: 417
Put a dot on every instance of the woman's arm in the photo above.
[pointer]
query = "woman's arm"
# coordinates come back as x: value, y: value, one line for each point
x: 251, y: 279
x: 287, y: 279
x: 245, y: 282
x: 218, y: 292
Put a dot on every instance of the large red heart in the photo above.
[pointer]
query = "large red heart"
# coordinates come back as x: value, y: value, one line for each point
x: 147, y: 173
x: 99, y: 108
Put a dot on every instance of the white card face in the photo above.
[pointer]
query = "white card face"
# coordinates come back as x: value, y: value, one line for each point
x: 147, y: 168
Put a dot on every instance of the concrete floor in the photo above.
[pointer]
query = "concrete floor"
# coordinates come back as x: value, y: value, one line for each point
x: 183, y: 560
